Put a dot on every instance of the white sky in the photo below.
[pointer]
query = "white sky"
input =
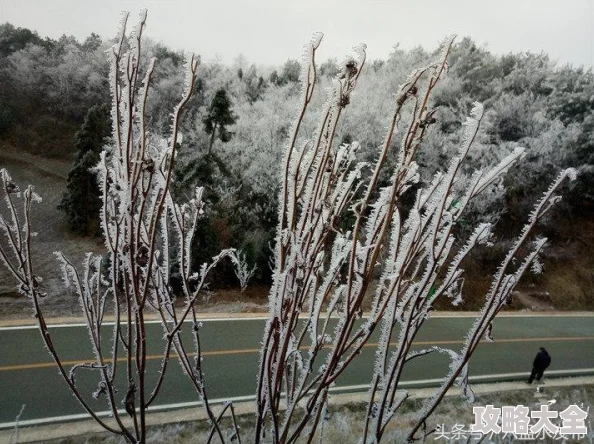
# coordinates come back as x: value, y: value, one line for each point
x: 271, y: 31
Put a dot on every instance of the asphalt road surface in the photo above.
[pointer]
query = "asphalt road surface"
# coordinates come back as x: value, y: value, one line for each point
x: 29, y: 378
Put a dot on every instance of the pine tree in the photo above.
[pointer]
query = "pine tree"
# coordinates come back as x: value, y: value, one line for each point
x: 81, y: 201
x: 218, y: 118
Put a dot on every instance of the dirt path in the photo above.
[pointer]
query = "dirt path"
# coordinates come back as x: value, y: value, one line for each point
x: 53, y: 167
x: 48, y: 176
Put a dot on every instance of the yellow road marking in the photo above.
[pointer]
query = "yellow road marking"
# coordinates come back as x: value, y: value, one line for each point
x: 257, y: 350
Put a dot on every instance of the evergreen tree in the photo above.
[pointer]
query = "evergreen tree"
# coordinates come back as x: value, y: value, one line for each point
x: 218, y: 118
x: 81, y: 201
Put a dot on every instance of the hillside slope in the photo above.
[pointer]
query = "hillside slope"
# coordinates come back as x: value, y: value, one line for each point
x: 567, y: 284
x: 49, y: 178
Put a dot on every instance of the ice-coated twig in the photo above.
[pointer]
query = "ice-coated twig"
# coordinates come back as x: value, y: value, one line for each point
x: 242, y: 269
x: 143, y: 227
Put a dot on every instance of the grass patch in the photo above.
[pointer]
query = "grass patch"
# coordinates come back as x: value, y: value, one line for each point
x: 344, y: 424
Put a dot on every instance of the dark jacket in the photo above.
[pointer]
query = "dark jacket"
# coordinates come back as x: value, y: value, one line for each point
x: 542, y: 360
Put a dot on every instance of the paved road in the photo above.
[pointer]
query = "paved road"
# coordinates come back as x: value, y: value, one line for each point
x: 28, y: 376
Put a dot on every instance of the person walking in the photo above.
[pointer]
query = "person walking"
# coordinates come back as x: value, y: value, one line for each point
x: 540, y: 364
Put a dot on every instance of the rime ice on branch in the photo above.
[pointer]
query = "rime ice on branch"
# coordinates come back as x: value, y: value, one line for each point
x: 146, y: 233
x: 345, y: 239
x: 324, y: 272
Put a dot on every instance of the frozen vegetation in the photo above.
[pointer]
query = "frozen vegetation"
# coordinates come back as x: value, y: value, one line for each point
x: 379, y: 226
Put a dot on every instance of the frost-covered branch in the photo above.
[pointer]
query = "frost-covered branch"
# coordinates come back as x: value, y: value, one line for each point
x: 242, y: 269
x: 396, y: 258
x: 146, y: 234
x: 351, y: 236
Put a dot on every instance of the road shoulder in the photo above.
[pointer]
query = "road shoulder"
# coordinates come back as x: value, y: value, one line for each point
x: 154, y: 317
x: 56, y: 432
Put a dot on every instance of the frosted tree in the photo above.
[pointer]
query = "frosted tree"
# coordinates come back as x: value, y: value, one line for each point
x: 346, y: 240
x: 144, y: 232
x: 242, y: 269
x: 395, y: 258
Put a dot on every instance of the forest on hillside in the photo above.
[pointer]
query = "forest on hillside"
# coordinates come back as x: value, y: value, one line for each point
x: 54, y: 102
